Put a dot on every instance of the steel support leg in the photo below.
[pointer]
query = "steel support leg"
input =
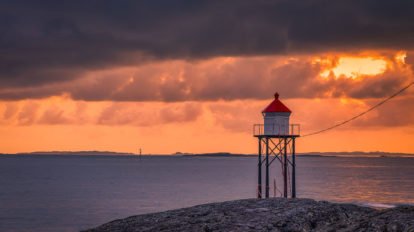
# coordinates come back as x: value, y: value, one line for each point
x: 267, y: 167
x: 293, y: 169
x: 259, y: 168
x: 285, y: 190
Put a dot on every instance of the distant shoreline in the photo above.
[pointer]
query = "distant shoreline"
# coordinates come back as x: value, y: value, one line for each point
x: 214, y: 154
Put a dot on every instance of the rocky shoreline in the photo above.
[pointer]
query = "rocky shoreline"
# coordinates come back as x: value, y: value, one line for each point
x: 275, y: 214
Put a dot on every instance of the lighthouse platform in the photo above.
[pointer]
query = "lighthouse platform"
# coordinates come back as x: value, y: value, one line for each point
x: 276, y: 131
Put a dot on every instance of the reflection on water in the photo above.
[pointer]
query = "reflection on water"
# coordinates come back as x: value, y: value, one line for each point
x: 68, y: 193
x: 372, y: 180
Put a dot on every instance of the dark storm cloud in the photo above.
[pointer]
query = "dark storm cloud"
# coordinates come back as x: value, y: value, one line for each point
x: 43, y: 42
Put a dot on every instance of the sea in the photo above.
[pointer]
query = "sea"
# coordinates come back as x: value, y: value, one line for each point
x: 76, y: 192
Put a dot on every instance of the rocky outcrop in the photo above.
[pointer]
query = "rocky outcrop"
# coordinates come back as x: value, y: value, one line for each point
x: 275, y: 214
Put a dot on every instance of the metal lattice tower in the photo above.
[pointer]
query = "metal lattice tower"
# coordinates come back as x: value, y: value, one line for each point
x: 279, y: 148
x: 276, y: 142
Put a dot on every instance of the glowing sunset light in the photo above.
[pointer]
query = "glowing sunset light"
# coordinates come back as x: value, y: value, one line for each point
x: 400, y: 57
x: 212, y: 98
x: 353, y: 67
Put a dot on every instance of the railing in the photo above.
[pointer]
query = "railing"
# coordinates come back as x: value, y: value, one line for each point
x: 276, y: 129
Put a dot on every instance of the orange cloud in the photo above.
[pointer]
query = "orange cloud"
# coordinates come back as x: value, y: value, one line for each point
x: 212, y: 103
x: 354, y: 67
x: 234, y: 78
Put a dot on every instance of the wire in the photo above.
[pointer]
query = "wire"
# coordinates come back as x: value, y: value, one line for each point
x: 361, y: 114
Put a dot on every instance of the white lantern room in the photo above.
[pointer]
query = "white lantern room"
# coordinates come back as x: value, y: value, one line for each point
x: 276, y: 118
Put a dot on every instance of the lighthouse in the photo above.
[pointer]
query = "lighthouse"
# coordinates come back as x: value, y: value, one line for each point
x: 276, y: 140
x: 276, y: 118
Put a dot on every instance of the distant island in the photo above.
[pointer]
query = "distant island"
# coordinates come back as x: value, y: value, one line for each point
x: 358, y: 154
x: 79, y: 153
x: 307, y: 154
x: 215, y: 154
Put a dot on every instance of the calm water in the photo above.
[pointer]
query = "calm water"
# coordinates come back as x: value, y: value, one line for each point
x: 69, y: 193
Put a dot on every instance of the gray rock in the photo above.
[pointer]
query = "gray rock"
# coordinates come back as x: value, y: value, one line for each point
x: 275, y: 214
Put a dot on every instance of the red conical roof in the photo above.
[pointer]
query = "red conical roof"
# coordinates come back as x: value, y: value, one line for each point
x: 276, y: 106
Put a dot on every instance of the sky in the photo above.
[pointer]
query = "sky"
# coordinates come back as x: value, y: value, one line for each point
x: 194, y: 76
